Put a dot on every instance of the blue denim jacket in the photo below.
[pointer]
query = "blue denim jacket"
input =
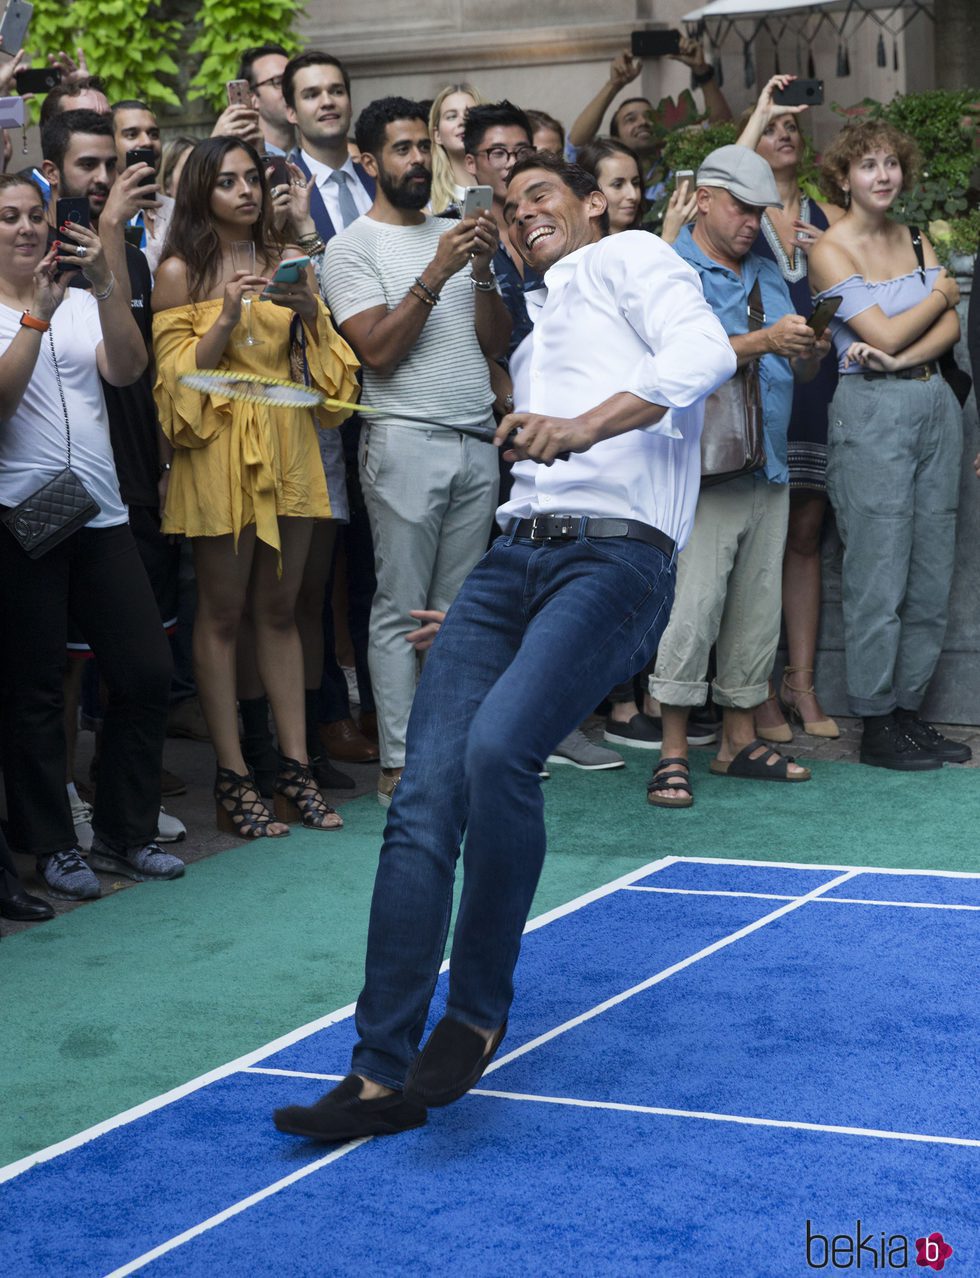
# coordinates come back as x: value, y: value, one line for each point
x: 728, y: 296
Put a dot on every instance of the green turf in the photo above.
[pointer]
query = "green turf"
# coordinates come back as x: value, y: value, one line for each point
x: 122, y: 1000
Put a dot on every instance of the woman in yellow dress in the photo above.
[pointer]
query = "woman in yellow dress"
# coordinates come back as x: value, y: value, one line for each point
x: 247, y: 480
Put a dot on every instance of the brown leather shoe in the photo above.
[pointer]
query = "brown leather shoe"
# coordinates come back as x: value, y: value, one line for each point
x: 342, y: 739
x: 369, y: 725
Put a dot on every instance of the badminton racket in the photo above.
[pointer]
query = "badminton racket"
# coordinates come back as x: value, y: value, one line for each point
x: 277, y: 392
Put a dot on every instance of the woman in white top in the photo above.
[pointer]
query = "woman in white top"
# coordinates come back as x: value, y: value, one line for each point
x: 55, y: 342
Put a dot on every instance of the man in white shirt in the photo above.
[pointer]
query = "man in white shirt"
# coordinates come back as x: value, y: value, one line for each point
x: 571, y: 599
x: 316, y: 89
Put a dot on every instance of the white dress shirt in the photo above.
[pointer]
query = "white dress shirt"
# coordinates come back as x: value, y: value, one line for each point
x: 624, y: 314
x: 330, y: 191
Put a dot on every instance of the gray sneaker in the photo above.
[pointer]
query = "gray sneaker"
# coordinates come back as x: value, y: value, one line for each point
x: 580, y: 752
x: 67, y: 877
x: 143, y: 864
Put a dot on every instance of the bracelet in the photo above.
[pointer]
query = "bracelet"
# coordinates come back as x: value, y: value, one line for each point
x: 420, y: 297
x: 101, y: 297
x: 484, y: 286
x: 943, y: 296
x: 430, y: 292
x: 704, y: 76
x: 29, y: 321
x: 311, y: 245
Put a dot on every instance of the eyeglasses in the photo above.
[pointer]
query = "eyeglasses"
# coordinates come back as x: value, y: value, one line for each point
x: 274, y: 80
x: 500, y: 154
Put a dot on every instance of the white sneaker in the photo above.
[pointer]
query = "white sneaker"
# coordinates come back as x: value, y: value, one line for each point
x: 170, y: 829
x: 81, y: 815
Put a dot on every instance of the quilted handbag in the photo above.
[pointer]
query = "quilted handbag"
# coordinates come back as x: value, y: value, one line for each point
x: 55, y: 510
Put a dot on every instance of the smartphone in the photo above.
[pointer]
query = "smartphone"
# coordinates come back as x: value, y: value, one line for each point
x: 72, y: 209
x: 239, y: 93
x: 291, y: 271
x: 41, y: 80
x: 684, y: 175
x: 800, y: 93
x: 823, y: 313
x: 143, y: 155
x: 11, y: 113
x: 277, y: 171
x: 477, y: 200
x: 13, y: 28
x: 655, y: 44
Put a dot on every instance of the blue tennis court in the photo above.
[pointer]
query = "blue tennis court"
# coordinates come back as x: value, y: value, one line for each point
x: 712, y: 1068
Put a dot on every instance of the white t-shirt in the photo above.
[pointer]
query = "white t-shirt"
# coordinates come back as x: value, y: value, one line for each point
x: 32, y: 442
x: 444, y: 376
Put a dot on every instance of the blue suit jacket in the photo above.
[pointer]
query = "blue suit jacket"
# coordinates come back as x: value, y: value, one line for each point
x: 318, y: 210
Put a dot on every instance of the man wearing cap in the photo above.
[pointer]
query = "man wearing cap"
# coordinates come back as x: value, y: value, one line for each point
x: 729, y: 576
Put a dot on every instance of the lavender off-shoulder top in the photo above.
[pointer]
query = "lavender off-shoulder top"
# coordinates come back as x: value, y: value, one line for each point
x: 892, y: 297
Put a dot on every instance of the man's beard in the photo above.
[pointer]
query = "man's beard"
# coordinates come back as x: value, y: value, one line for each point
x: 406, y: 194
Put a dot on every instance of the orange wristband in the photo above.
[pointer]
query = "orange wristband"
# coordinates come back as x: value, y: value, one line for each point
x: 28, y: 321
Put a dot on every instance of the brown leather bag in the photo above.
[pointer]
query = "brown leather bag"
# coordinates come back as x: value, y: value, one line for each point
x: 732, y: 441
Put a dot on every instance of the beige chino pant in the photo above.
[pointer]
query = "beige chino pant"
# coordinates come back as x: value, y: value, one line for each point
x: 729, y: 593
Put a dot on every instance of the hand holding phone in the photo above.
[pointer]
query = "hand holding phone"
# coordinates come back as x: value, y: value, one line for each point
x: 655, y: 44
x: 290, y: 271
x: 41, y: 80
x: 239, y: 93
x: 477, y: 200
x: 799, y: 93
x: 13, y: 28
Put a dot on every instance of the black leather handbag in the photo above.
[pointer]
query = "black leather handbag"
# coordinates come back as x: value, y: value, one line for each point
x: 59, y: 508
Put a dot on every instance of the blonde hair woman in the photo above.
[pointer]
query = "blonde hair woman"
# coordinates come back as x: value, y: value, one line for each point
x: 449, y: 174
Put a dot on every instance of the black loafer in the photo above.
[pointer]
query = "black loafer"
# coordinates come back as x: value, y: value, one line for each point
x: 452, y: 1061
x: 21, y: 907
x: 341, y: 1115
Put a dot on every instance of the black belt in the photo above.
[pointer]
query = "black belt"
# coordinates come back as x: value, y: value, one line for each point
x: 920, y: 373
x: 568, y: 528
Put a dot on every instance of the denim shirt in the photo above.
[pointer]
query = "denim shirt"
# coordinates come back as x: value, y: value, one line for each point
x: 728, y: 296
x: 512, y: 290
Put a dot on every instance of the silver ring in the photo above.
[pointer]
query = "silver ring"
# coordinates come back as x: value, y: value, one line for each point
x: 81, y: 251
x: 297, y: 182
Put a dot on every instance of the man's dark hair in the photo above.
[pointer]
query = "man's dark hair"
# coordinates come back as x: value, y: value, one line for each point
x: 492, y: 115
x: 372, y: 123
x: 62, y: 93
x: 131, y: 104
x: 578, y: 181
x: 540, y: 120
x: 312, y: 58
x: 57, y: 134
x: 252, y: 55
x: 614, y: 122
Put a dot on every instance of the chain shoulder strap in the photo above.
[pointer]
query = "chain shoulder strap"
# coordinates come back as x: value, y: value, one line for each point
x: 61, y: 393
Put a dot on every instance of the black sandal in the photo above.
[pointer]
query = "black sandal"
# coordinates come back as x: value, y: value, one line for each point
x: 298, y: 797
x: 757, y: 762
x: 239, y: 807
x: 671, y: 788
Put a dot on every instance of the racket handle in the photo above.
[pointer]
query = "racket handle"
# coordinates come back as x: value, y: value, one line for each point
x: 558, y: 456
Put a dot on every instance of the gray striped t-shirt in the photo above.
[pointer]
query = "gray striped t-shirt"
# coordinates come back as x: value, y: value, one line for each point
x: 444, y: 376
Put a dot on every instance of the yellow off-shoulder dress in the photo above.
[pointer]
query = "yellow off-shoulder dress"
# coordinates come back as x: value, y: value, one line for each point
x: 238, y: 463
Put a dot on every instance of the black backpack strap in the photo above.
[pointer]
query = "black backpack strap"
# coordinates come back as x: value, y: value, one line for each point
x: 917, y: 246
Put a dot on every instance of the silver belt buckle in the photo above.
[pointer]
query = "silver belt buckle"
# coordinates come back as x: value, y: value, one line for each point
x: 534, y: 530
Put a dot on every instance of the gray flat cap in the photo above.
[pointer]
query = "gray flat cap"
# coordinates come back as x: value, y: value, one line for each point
x: 744, y: 174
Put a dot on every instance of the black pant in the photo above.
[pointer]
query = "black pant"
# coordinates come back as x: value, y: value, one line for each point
x: 94, y: 577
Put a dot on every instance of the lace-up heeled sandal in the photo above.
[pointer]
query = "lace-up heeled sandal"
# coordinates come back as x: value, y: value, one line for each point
x: 825, y: 727
x: 240, y: 809
x: 298, y: 797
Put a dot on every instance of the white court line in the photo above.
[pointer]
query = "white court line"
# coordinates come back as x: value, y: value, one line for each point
x: 800, y: 865
x: 294, y: 1073
x: 732, y: 1118
x: 285, y: 1040
x: 220, y: 1217
x: 708, y: 950
x: 824, y: 900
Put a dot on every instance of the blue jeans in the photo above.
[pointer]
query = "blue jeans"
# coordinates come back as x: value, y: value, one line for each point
x: 535, y: 638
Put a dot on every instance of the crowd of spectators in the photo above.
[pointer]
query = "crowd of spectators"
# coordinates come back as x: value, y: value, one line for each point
x: 200, y: 594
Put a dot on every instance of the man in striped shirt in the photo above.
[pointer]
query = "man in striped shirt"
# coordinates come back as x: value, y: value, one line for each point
x: 417, y: 301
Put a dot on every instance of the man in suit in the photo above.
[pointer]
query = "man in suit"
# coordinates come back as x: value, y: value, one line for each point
x: 316, y: 89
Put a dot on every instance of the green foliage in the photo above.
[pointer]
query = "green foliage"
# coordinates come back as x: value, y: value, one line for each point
x: 226, y: 27
x: 958, y: 238
x: 127, y: 43
x: 688, y: 148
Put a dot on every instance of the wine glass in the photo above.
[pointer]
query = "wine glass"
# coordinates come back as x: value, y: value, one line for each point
x: 243, y: 259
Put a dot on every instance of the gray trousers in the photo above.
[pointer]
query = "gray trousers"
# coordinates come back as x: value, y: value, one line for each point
x: 729, y: 590
x: 430, y: 497
x: 893, y: 473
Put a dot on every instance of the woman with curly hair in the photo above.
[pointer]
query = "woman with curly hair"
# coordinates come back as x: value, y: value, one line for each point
x: 247, y: 480
x: 895, y: 437
x: 447, y: 116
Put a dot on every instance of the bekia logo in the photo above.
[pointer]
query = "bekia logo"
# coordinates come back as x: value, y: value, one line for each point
x: 861, y: 1251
